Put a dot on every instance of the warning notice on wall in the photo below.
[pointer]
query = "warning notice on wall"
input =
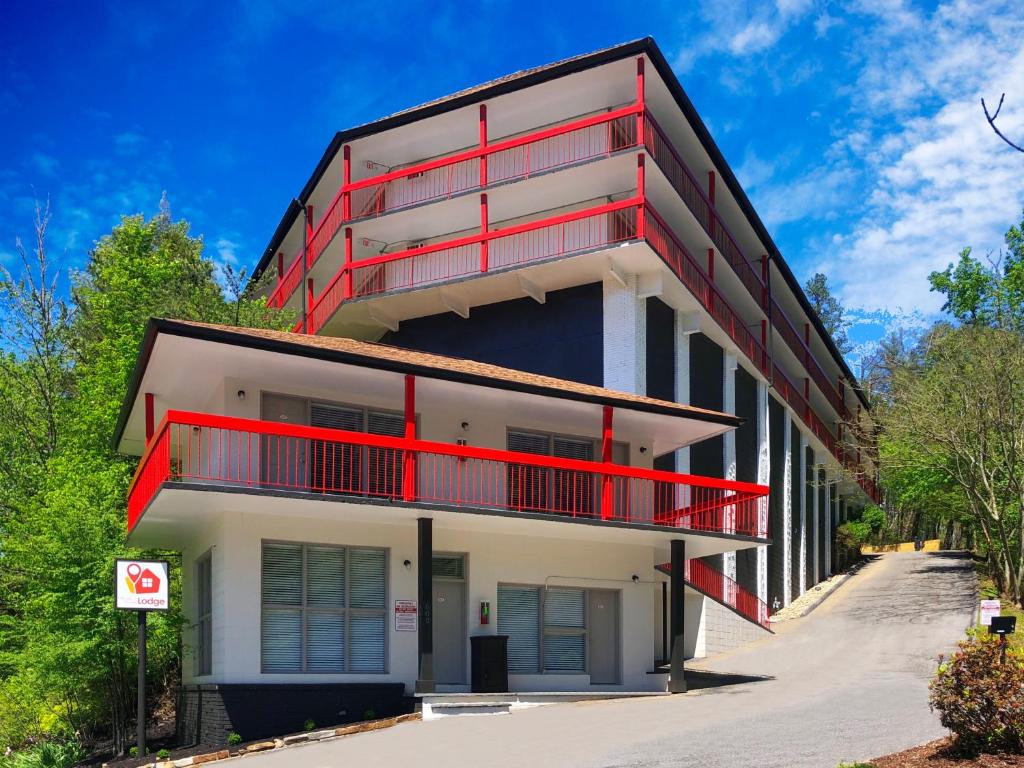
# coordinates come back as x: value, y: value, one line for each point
x: 405, y: 615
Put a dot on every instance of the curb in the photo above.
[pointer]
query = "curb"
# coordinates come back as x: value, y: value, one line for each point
x: 327, y: 734
x: 852, y: 570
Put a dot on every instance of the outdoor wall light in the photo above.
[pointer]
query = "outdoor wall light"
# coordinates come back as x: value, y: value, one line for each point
x: 407, y: 564
x: 643, y: 449
x: 635, y: 578
x: 465, y: 425
x: 240, y: 394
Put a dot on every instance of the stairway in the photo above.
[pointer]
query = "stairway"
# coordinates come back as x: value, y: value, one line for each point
x: 712, y: 583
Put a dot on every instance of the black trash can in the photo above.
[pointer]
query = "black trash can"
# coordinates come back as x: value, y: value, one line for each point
x: 489, y: 663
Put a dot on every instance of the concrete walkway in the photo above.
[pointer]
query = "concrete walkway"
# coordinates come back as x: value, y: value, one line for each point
x: 847, y: 682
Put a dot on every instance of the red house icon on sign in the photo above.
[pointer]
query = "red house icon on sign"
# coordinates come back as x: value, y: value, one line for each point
x: 143, y: 581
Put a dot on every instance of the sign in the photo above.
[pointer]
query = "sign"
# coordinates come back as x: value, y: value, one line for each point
x: 141, y: 585
x: 406, y: 612
x: 989, y: 608
x: 1002, y: 625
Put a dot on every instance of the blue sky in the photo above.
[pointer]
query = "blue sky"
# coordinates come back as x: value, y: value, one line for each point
x: 855, y: 127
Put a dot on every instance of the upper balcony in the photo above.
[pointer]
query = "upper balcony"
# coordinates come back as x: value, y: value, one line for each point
x: 386, y: 435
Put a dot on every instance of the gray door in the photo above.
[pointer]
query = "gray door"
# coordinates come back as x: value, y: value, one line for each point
x: 284, y: 461
x: 449, y: 631
x: 603, y: 631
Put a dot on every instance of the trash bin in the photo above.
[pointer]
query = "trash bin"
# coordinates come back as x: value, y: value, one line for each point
x: 489, y: 663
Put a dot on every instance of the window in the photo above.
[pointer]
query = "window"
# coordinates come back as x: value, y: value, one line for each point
x: 323, y: 608
x: 556, y: 644
x: 346, y: 468
x: 204, y: 615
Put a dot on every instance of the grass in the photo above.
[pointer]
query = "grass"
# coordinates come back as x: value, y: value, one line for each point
x: 987, y: 591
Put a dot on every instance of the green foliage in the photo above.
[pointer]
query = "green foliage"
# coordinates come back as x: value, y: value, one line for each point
x: 979, y: 698
x: 369, y: 714
x: 163, y: 754
x: 309, y: 725
x: 46, y: 754
x: 66, y: 655
x: 234, y: 738
x: 829, y: 311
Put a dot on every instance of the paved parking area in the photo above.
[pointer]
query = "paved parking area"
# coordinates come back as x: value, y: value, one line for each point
x: 849, y: 681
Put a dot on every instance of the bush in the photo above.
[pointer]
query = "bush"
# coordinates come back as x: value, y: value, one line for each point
x: 46, y: 754
x: 309, y: 725
x: 980, y: 699
x: 234, y: 738
x: 163, y: 754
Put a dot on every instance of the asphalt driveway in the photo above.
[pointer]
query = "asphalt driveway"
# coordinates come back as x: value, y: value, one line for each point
x: 847, y: 682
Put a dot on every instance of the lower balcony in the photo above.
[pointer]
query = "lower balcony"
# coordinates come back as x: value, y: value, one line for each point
x: 381, y: 478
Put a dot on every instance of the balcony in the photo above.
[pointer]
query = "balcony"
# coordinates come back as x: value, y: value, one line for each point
x: 250, y: 455
x: 494, y: 249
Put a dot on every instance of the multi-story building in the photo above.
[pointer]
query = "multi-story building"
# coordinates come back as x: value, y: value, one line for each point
x: 550, y: 379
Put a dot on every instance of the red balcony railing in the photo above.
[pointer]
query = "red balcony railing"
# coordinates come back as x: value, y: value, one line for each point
x: 686, y: 268
x: 287, y: 283
x: 248, y: 453
x: 716, y: 585
x: 555, y: 237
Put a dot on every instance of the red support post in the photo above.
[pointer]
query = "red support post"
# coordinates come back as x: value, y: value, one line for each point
x: 280, y: 267
x: 484, y: 223
x: 711, y: 264
x: 150, y: 418
x: 310, y: 296
x: 640, y: 183
x: 640, y: 95
x: 346, y: 179
x: 309, y: 235
x: 764, y: 343
x: 346, y: 291
x: 607, y: 487
x: 483, y: 143
x: 409, y: 462
x: 764, y: 281
x: 711, y: 199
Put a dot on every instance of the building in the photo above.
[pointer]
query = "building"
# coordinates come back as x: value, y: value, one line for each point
x: 549, y: 375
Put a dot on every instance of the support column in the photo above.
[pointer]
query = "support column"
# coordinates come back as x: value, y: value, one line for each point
x: 729, y: 450
x: 677, y: 679
x: 788, y: 551
x: 607, y: 490
x: 686, y: 326
x: 425, y: 597
x: 818, y: 574
x: 150, y: 417
x: 625, y: 335
x: 803, y: 514
x: 763, y: 472
x: 409, y: 457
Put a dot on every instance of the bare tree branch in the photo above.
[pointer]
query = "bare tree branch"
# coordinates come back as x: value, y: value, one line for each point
x: 992, y: 121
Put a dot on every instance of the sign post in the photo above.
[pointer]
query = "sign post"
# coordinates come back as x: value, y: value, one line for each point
x: 141, y: 586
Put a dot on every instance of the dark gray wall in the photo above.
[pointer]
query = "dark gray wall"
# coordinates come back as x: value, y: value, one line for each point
x: 795, y: 479
x: 660, y: 357
x: 823, y: 517
x: 746, y: 466
x: 562, y: 337
x: 706, y: 391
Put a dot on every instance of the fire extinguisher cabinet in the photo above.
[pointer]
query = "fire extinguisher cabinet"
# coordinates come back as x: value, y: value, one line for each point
x: 489, y: 663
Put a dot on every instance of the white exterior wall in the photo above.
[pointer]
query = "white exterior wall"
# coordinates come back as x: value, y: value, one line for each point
x: 729, y: 444
x: 491, y: 559
x: 763, y: 471
x: 625, y: 336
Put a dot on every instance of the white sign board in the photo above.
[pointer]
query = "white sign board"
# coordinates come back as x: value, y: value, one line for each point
x: 989, y: 608
x: 142, y: 585
x: 405, y: 615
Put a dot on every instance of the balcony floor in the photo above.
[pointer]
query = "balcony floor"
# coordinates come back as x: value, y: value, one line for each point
x: 180, y: 510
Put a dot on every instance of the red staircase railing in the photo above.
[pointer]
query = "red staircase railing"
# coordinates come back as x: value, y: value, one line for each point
x: 248, y: 453
x: 727, y: 591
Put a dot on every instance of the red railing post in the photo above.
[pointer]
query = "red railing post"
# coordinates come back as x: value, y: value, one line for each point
x: 711, y: 264
x: 310, y: 298
x: 607, y: 487
x: 346, y: 180
x: 711, y: 200
x: 346, y: 290
x: 280, y: 267
x: 483, y: 231
x: 409, y: 464
x: 483, y: 144
x: 150, y: 410
x: 640, y: 96
x: 640, y: 185
x: 764, y: 344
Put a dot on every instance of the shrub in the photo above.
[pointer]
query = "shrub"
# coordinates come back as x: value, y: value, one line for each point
x: 234, y: 738
x: 163, y: 754
x: 45, y: 754
x: 309, y: 725
x: 369, y: 714
x: 980, y: 699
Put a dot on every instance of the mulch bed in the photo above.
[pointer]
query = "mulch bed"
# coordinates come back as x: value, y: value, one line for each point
x: 940, y: 754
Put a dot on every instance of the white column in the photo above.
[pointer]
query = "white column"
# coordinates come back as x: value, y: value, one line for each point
x: 789, y: 551
x: 625, y: 335
x: 804, y: 505
x: 683, y: 331
x: 763, y: 470
x: 729, y: 444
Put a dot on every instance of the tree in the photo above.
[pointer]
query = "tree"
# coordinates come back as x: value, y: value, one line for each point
x: 829, y: 311
x: 992, y: 122
x: 68, y: 645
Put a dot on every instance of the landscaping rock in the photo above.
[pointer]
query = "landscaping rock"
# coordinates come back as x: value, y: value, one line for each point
x: 260, y: 746
x: 318, y: 735
x: 297, y: 738
x: 209, y: 757
x: 183, y: 762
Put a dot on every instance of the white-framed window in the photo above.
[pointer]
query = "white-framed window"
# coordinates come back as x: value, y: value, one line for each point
x: 204, y: 614
x: 324, y: 608
x: 546, y: 628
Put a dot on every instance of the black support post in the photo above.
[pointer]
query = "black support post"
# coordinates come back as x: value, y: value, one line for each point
x: 677, y: 680
x: 140, y: 715
x: 664, y: 622
x: 425, y: 575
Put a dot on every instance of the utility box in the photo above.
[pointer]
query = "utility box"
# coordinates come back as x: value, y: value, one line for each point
x: 489, y: 663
